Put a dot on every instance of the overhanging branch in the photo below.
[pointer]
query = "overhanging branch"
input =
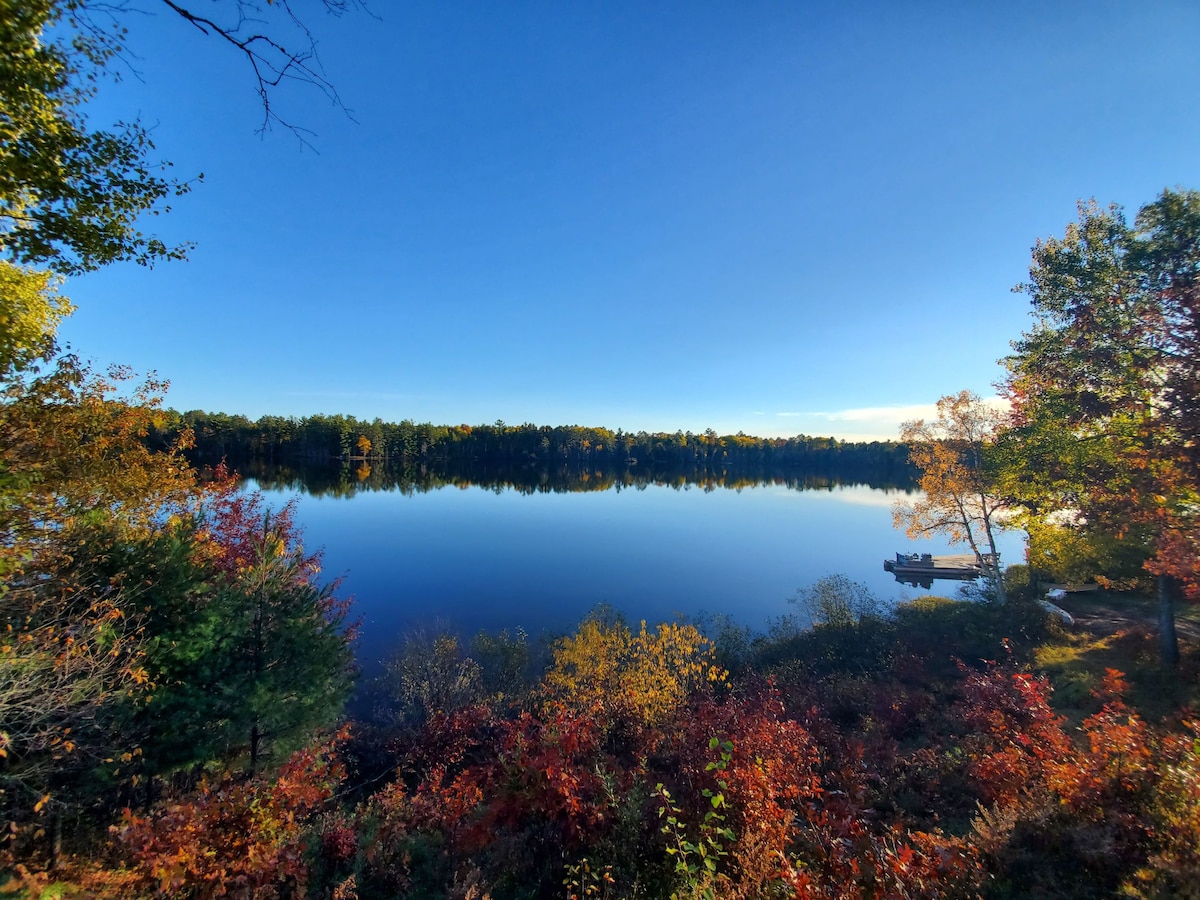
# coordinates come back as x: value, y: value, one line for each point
x: 270, y: 61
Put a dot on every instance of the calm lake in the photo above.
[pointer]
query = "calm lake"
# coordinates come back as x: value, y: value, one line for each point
x: 498, y: 557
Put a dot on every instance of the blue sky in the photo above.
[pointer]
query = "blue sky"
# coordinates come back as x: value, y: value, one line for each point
x: 780, y: 218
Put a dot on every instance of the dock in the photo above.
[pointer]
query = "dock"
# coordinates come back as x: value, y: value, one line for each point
x: 921, y: 568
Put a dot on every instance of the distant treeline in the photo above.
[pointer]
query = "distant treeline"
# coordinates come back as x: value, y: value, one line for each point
x: 323, y: 439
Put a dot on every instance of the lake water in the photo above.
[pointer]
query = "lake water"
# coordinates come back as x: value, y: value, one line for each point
x: 497, y: 558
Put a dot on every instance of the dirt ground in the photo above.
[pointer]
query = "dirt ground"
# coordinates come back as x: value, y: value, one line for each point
x: 1108, y: 613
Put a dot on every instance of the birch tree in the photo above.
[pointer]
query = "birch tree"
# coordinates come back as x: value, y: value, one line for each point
x: 959, y: 500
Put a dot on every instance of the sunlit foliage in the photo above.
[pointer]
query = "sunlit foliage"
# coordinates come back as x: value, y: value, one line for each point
x: 70, y: 196
x: 235, y: 837
x: 30, y: 310
x: 606, y: 668
x: 75, y: 479
x: 960, y: 496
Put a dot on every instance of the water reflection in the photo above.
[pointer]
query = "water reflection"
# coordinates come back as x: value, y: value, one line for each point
x: 537, y: 548
x: 348, y: 478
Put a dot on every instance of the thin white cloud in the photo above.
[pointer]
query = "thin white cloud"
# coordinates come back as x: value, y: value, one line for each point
x: 867, y: 422
x: 876, y: 414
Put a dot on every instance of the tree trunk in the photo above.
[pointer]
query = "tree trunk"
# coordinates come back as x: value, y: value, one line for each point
x: 255, y: 740
x: 1168, y: 640
x: 991, y: 571
x: 55, y: 839
x: 996, y: 576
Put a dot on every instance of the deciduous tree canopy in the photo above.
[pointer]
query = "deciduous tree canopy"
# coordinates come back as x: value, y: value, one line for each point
x: 1104, y: 386
x: 70, y: 196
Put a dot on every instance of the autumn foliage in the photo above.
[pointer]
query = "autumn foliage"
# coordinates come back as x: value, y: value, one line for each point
x: 237, y: 836
x: 918, y: 776
x: 168, y: 647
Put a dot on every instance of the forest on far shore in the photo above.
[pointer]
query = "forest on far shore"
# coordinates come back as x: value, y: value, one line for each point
x: 236, y: 439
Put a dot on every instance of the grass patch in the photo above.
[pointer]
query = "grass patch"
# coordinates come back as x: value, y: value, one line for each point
x: 1075, y: 664
x: 1119, y: 632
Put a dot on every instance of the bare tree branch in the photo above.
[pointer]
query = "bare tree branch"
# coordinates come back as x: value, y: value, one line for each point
x: 277, y: 52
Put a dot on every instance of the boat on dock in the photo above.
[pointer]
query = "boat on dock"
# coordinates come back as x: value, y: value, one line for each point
x: 1090, y: 587
x: 923, y: 567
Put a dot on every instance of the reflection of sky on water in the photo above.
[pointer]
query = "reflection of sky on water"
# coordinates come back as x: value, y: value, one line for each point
x: 485, y: 560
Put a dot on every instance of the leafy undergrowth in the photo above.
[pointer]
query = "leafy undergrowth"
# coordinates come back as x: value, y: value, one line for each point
x: 916, y: 754
x: 1119, y: 632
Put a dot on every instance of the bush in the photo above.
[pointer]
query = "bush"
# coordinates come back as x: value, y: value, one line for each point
x: 836, y: 600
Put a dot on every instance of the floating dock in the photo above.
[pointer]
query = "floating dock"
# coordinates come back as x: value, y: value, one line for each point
x: 922, y: 568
